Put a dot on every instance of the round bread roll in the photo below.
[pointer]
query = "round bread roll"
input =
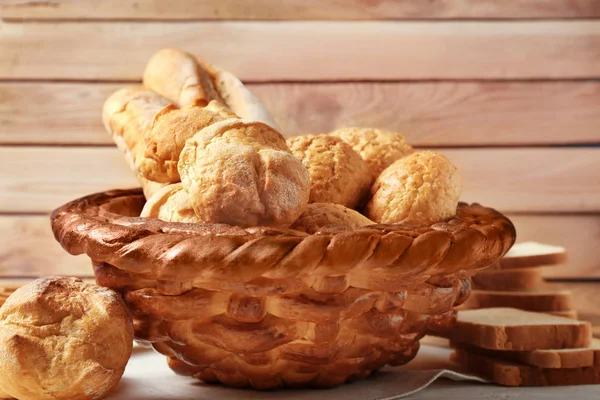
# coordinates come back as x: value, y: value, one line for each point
x: 171, y: 203
x: 379, y: 148
x: 337, y: 173
x: 63, y: 339
x: 419, y: 189
x: 242, y: 173
x: 318, y: 216
x: 165, y: 139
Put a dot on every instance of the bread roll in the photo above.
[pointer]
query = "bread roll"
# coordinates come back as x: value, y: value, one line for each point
x: 318, y: 216
x: 419, y: 189
x: 379, y: 148
x: 337, y: 173
x: 171, y: 203
x: 165, y: 138
x: 61, y: 338
x: 242, y: 173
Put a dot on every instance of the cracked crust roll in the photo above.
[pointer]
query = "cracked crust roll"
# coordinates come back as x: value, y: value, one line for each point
x: 378, y: 147
x: 337, y: 173
x: 420, y: 189
x: 242, y: 173
x: 63, y: 339
x: 165, y: 138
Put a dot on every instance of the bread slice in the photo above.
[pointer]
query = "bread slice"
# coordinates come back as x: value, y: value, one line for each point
x: 542, y: 301
x: 513, y: 374
x: 560, y: 358
x: 511, y: 280
x: 512, y: 329
x: 533, y: 254
x: 572, y: 314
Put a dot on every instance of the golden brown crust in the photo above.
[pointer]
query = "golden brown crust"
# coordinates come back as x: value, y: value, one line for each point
x: 171, y: 203
x: 474, y: 238
x: 63, y: 339
x: 165, y: 139
x: 419, y: 189
x: 242, y: 173
x: 177, y: 76
x: 378, y: 147
x: 318, y: 216
x: 185, y: 81
x: 127, y: 115
x: 337, y: 173
x: 267, y: 307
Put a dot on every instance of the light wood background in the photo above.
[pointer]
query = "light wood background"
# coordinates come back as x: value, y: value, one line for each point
x: 509, y: 90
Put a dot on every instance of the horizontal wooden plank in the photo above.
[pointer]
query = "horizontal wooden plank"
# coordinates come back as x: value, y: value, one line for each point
x: 296, y: 9
x: 56, y: 113
x: 28, y: 247
x: 38, y: 179
x: 300, y: 51
x: 428, y: 113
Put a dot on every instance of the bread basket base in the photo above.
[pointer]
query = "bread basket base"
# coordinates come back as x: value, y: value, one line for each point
x: 277, y: 308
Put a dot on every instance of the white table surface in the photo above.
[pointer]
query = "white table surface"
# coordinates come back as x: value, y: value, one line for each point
x: 147, y: 377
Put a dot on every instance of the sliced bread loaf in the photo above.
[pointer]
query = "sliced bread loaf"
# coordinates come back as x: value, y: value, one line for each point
x: 560, y: 358
x: 512, y: 329
x: 514, y: 374
x: 533, y: 254
x: 510, y: 280
x: 540, y: 301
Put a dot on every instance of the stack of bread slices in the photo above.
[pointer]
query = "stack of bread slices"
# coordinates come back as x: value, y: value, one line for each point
x: 516, y: 281
x: 520, y: 348
x: 516, y: 330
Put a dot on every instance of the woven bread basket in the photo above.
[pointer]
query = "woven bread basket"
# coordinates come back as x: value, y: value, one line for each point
x: 270, y: 308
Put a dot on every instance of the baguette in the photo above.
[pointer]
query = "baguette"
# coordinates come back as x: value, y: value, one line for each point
x: 512, y: 329
x: 540, y: 301
x: 509, y: 280
x: 548, y: 358
x: 127, y: 115
x: 179, y: 77
x: 513, y: 374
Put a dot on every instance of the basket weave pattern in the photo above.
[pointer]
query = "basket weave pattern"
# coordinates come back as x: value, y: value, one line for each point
x: 273, y: 308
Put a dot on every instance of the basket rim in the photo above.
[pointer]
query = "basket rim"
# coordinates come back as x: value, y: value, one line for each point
x: 476, y: 237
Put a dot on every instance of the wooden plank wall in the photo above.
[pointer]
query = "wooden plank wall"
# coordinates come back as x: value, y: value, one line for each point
x: 509, y: 90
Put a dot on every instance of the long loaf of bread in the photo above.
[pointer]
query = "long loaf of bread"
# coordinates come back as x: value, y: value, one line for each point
x: 185, y: 81
x: 127, y: 115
